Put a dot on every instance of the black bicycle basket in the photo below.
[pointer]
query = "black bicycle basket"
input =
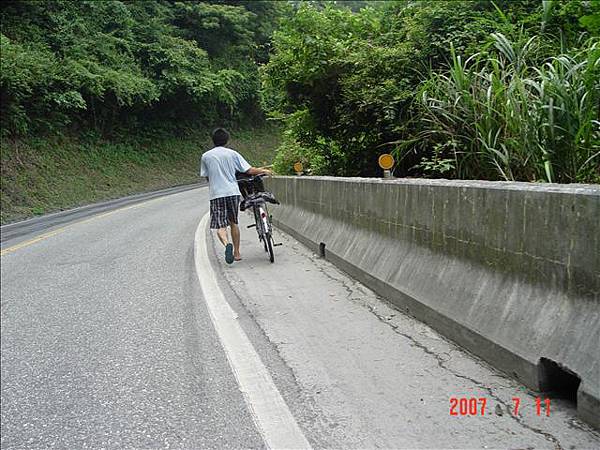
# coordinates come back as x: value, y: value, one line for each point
x: 250, y: 185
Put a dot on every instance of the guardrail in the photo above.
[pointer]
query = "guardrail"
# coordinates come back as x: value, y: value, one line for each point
x: 510, y: 271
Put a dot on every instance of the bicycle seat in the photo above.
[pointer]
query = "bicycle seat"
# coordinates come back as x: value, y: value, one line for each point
x: 257, y: 198
x: 262, y: 196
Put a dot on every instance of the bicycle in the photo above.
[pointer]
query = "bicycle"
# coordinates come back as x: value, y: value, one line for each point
x: 256, y: 198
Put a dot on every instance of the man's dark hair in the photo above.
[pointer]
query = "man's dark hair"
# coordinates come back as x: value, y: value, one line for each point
x: 220, y: 137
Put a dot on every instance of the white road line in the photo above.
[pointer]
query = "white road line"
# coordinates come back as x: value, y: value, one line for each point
x: 269, y: 411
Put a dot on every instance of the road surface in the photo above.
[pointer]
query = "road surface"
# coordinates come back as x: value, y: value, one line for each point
x: 125, y: 329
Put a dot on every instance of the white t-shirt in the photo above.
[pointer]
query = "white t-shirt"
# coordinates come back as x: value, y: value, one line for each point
x: 220, y: 165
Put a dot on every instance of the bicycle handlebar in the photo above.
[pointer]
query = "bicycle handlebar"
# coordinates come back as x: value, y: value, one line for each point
x: 251, y: 177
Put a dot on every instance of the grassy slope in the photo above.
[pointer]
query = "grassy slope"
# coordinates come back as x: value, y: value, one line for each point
x: 44, y: 175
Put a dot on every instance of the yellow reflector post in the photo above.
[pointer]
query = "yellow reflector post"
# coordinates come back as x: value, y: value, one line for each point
x: 386, y: 161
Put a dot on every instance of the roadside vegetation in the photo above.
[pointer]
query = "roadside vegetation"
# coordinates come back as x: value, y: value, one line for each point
x: 41, y: 175
x: 504, y: 90
x: 104, y: 98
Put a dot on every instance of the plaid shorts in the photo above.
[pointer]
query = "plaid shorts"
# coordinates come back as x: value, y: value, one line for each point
x: 224, y: 211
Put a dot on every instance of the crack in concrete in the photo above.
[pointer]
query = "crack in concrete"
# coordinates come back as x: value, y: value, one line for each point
x: 437, y: 356
x: 354, y: 293
x: 442, y: 363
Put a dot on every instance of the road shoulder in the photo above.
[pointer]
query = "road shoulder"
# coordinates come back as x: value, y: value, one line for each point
x: 371, y: 375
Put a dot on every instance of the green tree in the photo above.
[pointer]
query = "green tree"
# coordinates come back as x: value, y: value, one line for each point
x: 116, y: 65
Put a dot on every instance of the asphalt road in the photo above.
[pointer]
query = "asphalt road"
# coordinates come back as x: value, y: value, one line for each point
x: 106, y: 341
x: 109, y: 341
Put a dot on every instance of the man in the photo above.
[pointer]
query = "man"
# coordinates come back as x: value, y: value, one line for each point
x: 219, y: 166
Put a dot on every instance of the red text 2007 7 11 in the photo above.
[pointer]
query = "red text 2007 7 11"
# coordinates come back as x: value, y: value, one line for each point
x: 475, y: 406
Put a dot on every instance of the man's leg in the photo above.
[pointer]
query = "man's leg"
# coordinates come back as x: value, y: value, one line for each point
x: 233, y: 204
x: 235, y: 237
x: 222, y: 235
x: 218, y: 221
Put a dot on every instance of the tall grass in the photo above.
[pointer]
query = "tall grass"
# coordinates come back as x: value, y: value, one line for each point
x: 501, y: 116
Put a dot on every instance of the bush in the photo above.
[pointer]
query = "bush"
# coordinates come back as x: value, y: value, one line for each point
x: 501, y: 117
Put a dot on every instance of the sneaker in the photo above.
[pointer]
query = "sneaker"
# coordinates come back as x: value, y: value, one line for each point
x: 229, y: 253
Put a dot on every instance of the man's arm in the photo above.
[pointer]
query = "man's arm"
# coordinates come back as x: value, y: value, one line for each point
x: 258, y: 171
x: 244, y: 167
x: 203, y: 173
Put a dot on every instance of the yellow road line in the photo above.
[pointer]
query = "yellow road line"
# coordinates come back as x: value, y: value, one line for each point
x: 44, y: 236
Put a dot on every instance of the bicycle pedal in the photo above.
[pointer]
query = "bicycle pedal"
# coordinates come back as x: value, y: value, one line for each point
x: 277, y: 245
x: 250, y: 226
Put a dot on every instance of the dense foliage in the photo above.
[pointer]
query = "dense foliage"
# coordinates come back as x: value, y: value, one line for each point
x: 470, y: 89
x: 459, y: 89
x: 105, y: 65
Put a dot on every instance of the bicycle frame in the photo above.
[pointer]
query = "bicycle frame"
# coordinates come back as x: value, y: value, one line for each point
x: 262, y: 219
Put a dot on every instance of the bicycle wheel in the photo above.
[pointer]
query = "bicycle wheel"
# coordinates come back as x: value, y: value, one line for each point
x: 269, y: 244
x: 258, y: 223
x: 265, y: 232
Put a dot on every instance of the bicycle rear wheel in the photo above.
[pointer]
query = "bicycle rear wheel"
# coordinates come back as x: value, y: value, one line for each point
x: 265, y: 231
x: 269, y: 245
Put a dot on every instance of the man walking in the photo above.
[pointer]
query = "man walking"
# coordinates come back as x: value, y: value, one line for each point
x: 219, y: 166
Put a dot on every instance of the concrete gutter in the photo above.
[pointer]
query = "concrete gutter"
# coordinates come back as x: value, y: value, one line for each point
x: 510, y: 271
x: 42, y: 223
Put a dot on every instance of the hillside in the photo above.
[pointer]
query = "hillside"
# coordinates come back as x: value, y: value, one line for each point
x: 41, y: 175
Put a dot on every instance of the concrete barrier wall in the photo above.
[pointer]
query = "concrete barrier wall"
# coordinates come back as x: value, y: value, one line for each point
x: 510, y: 271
